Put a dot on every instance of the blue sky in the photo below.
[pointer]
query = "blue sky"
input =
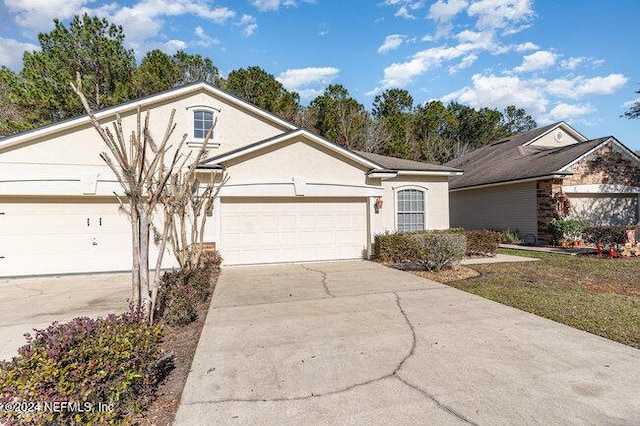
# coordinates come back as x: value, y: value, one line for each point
x: 560, y: 60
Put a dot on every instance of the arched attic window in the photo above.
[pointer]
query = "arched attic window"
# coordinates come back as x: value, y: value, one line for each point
x: 411, y: 212
x: 202, y: 119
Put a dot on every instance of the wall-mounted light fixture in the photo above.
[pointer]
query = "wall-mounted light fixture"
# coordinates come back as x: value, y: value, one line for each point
x: 378, y: 204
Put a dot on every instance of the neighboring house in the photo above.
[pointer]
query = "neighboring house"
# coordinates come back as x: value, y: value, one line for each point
x: 510, y: 183
x: 291, y: 195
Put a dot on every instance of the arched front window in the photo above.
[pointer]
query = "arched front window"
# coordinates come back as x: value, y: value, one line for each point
x: 202, y: 122
x: 411, y: 210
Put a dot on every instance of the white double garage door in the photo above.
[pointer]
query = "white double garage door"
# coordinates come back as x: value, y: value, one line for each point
x: 79, y: 237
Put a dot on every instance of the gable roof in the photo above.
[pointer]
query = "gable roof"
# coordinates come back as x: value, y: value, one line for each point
x: 400, y: 164
x: 374, y: 162
x: 514, y: 159
x: 218, y: 160
x: 27, y: 135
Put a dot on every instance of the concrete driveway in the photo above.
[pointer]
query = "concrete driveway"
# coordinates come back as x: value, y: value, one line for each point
x: 358, y: 343
x: 35, y: 302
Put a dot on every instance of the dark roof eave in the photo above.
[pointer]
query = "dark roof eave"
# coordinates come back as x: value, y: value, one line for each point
x: 520, y: 179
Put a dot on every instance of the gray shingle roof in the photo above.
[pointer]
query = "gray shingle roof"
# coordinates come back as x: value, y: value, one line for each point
x: 507, y: 160
x: 393, y: 163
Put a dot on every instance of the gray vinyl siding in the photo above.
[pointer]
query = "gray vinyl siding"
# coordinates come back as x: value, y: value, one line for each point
x: 497, y: 208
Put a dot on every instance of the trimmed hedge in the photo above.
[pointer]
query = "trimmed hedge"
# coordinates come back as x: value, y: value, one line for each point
x: 115, y: 361
x: 607, y: 235
x: 483, y: 243
x: 432, y: 250
x: 181, y: 291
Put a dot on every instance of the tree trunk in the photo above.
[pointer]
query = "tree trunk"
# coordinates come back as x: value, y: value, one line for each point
x: 145, y: 295
x: 166, y: 226
x: 135, y: 268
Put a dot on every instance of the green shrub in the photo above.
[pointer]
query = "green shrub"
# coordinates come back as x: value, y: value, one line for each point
x: 181, y: 291
x: 509, y: 237
x: 113, y: 361
x: 607, y: 235
x: 484, y: 243
x: 566, y: 229
x: 438, y: 250
x: 429, y: 249
x: 396, y: 247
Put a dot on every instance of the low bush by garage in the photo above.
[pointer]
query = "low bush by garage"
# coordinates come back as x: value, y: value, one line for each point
x: 97, y: 372
x: 431, y: 250
x: 181, y: 291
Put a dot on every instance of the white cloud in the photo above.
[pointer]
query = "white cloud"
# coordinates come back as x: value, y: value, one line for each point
x: 571, y: 63
x: 204, y: 39
x: 600, y: 85
x: 466, y: 62
x: 536, y: 94
x: 169, y: 47
x: 444, y: 11
x: 294, y: 79
x: 576, y: 61
x: 141, y: 20
x: 38, y: 15
x: 404, y: 7
x: 11, y: 52
x: 401, y: 74
x: 391, y: 42
x: 249, y: 25
x: 500, y: 92
x: 500, y: 13
x: 564, y: 111
x: 269, y: 5
x: 403, y: 12
x: 536, y: 61
x: 523, y: 47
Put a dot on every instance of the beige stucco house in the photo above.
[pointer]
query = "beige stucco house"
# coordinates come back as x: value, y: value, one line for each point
x: 291, y: 195
x: 509, y: 184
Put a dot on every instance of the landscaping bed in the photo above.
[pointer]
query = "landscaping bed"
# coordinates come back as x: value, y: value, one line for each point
x: 182, y: 343
x: 111, y: 370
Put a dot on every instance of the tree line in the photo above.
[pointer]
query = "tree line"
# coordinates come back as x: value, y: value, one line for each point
x: 92, y: 51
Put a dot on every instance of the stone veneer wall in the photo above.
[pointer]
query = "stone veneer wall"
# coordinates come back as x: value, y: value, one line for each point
x: 544, y: 194
x: 607, y: 165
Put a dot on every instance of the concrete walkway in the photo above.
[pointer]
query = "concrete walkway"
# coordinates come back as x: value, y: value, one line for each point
x: 359, y: 343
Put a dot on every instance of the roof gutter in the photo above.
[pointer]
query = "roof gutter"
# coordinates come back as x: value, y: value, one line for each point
x: 511, y: 182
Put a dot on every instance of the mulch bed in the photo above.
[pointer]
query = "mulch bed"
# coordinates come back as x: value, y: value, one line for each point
x: 447, y: 275
x: 182, y: 343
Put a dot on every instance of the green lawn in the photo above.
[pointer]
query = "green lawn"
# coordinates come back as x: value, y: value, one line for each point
x: 601, y: 296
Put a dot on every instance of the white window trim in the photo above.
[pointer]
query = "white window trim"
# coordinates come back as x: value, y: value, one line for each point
x: 194, y: 142
x: 397, y: 189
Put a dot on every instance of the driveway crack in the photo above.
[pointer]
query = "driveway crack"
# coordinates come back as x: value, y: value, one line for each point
x: 324, y: 280
x: 394, y: 374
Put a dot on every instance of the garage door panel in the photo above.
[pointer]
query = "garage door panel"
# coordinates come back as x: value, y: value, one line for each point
x: 287, y: 230
x: 49, y: 238
x: 606, y: 210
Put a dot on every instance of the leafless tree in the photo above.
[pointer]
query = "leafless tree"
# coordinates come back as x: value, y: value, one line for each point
x: 155, y: 177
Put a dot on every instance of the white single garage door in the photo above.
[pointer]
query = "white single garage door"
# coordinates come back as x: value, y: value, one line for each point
x: 260, y: 230
x: 49, y: 238
x: 606, y: 209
